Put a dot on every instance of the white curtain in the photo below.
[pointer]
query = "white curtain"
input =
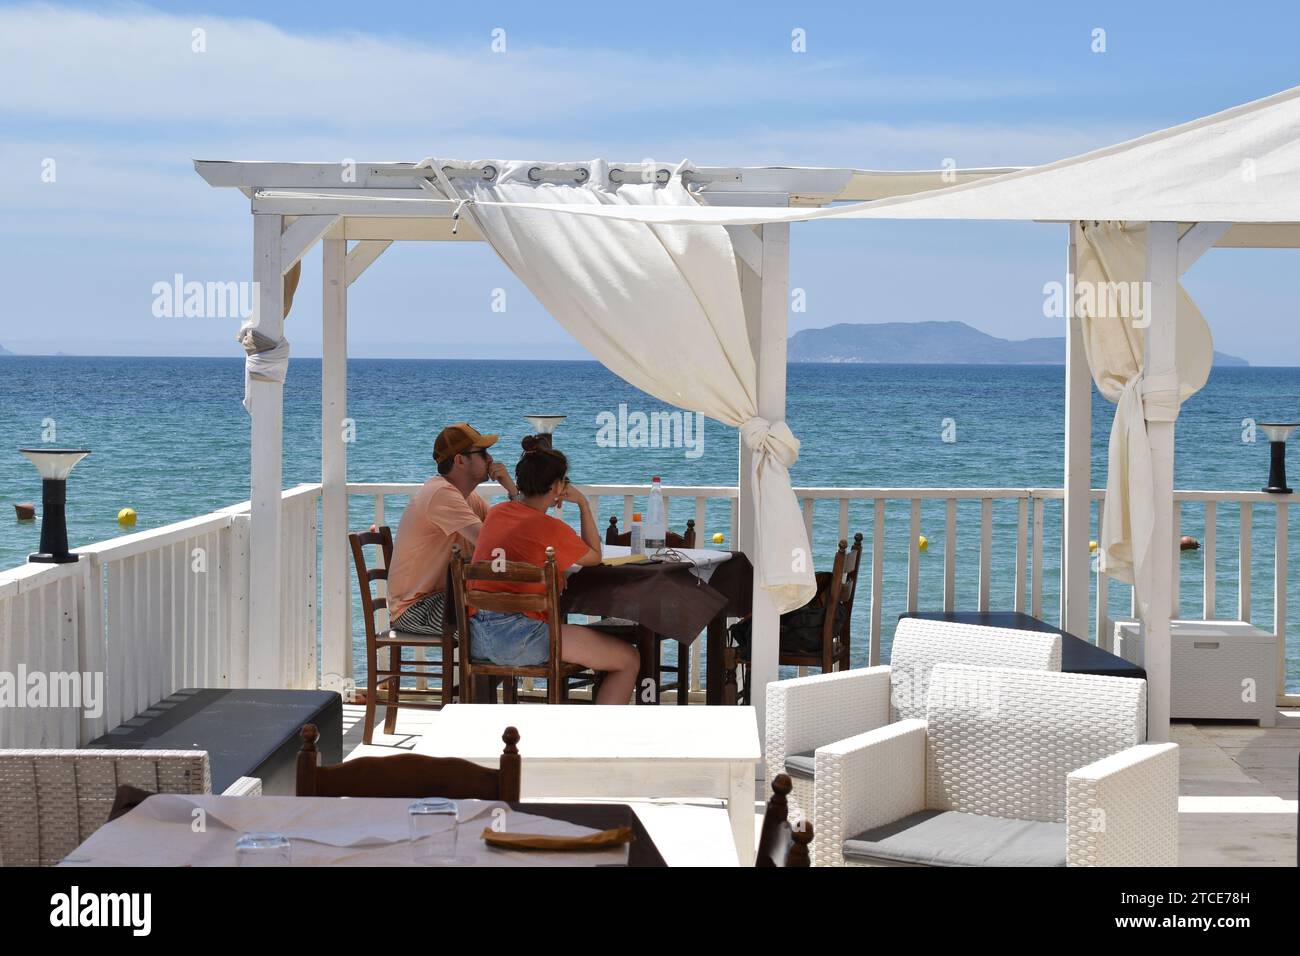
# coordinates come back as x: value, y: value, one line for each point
x: 659, y: 306
x: 1110, y: 267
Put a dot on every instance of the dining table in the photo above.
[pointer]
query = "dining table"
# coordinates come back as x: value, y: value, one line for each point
x: 201, y: 830
x: 678, y: 593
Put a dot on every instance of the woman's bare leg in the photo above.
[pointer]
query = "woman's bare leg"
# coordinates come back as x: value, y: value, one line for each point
x: 618, y: 659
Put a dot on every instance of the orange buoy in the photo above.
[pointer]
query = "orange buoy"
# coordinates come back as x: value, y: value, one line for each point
x: 26, y: 511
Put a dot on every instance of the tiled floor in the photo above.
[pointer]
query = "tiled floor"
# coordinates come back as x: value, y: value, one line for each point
x: 1237, y: 805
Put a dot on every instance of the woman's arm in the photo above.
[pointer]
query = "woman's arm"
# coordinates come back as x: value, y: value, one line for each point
x: 590, y: 529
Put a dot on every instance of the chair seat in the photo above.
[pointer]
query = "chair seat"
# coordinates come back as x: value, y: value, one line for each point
x: 950, y: 838
x: 411, y: 639
x: 540, y: 670
x: 614, y: 626
x: 801, y: 765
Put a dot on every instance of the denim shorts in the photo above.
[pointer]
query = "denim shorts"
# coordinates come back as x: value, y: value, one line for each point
x: 511, y: 640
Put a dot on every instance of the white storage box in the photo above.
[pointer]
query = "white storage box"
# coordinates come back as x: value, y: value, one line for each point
x: 1218, y: 669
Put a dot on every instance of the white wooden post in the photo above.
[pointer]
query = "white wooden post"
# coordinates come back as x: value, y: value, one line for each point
x: 1076, y: 559
x: 1161, y: 310
x: 771, y: 359
x: 267, y: 400
x: 336, y: 618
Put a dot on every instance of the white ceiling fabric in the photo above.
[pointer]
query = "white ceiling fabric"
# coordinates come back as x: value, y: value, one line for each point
x: 1240, y: 165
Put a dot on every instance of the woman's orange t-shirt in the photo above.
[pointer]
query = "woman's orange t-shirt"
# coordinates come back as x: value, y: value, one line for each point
x: 524, y: 534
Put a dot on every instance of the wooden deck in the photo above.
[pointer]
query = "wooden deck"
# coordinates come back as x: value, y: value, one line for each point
x: 1237, y: 807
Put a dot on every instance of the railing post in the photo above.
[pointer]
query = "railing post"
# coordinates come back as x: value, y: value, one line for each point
x: 1076, y: 560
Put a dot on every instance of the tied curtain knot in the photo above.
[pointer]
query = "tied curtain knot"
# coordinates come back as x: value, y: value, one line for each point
x: 1161, y: 397
x: 775, y: 439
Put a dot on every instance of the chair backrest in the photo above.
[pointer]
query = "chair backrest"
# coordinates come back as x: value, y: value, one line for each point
x: 409, y: 775
x: 920, y: 644
x: 464, y: 573
x: 1000, y: 741
x: 671, y: 539
x: 366, y: 575
x: 843, y: 588
x: 779, y: 843
x: 51, y: 801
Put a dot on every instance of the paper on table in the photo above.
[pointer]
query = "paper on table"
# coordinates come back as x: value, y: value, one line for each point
x: 201, y: 831
x: 363, y: 822
x: 705, y: 560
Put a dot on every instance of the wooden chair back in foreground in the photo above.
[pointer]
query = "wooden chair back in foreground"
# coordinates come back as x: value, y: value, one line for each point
x: 409, y: 775
x: 781, y: 844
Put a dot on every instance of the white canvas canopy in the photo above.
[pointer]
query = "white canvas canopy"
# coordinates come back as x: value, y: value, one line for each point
x: 1228, y: 179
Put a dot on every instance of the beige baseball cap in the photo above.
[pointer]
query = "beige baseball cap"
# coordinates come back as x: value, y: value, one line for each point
x: 458, y: 439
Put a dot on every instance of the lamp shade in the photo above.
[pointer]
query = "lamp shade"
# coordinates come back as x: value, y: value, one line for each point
x: 54, y: 463
x: 545, y: 424
x: 1278, y: 431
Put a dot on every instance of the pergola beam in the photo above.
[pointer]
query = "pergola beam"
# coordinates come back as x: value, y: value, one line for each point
x: 301, y: 235
x: 362, y: 256
x: 1197, y: 241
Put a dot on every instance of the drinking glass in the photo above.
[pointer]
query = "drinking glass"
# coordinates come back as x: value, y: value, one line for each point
x: 263, y: 849
x: 434, y: 832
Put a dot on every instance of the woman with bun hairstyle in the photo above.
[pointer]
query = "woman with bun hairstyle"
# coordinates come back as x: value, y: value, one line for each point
x: 522, y: 530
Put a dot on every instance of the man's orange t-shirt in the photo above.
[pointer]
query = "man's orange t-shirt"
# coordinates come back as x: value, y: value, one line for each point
x: 523, y: 534
x: 422, y: 551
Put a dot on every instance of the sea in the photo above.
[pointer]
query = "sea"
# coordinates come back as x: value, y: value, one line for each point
x: 169, y: 438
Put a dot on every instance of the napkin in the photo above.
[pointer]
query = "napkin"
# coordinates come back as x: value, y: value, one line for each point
x: 624, y: 559
x: 601, y: 840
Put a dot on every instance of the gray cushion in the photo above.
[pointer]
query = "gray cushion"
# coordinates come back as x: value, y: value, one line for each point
x: 949, y: 838
x: 801, y: 765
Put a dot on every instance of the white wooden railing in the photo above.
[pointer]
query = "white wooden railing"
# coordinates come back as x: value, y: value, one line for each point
x: 159, y: 610
x: 1012, y: 541
x: 153, y: 612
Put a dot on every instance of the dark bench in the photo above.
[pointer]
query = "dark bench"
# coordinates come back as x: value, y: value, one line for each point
x: 1077, y: 655
x: 247, y: 733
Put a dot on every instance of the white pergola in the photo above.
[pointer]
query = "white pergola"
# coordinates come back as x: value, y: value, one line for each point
x: 357, y: 212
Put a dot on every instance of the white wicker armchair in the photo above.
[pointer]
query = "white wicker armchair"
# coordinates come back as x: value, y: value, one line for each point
x: 809, y: 712
x: 1010, y: 767
x: 53, y: 800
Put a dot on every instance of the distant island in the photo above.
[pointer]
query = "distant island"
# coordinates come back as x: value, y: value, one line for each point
x: 5, y: 351
x: 930, y: 343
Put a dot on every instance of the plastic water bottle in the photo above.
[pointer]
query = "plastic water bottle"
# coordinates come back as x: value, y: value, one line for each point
x: 656, y: 524
x: 637, y: 540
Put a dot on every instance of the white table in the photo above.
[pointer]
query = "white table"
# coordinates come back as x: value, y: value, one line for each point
x: 579, y: 750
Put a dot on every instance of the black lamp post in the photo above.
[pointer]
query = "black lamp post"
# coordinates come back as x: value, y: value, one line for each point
x: 1278, y: 433
x: 54, y: 464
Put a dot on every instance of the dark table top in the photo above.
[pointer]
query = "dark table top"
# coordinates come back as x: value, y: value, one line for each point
x: 603, y: 816
x: 1077, y: 655
x: 665, y: 597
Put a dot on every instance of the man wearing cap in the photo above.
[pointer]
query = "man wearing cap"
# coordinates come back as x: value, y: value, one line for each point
x: 445, y: 511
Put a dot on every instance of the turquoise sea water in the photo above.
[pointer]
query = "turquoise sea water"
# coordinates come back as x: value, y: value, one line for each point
x: 169, y: 438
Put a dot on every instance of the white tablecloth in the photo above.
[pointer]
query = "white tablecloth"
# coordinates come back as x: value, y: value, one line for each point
x: 705, y: 560
x: 171, y: 830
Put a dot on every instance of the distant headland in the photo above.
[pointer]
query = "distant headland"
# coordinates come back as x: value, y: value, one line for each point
x: 930, y: 343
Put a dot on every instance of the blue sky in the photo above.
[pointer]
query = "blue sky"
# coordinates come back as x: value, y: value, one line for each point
x: 115, y: 95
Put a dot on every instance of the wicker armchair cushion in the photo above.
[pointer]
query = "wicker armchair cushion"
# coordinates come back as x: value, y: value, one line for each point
x: 949, y: 838
x: 801, y: 765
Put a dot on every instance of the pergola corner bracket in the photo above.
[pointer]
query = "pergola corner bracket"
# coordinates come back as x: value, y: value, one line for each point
x: 1197, y: 241
x: 305, y: 231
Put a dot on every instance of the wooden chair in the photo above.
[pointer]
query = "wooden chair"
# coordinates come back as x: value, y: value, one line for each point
x: 390, y: 677
x: 409, y: 775
x: 836, y: 590
x: 556, y: 671
x: 779, y: 843
x: 619, y: 627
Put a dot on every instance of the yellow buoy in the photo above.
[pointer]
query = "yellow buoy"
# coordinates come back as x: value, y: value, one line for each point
x: 1092, y: 545
x: 719, y: 537
x: 923, y: 542
x: 126, y: 517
